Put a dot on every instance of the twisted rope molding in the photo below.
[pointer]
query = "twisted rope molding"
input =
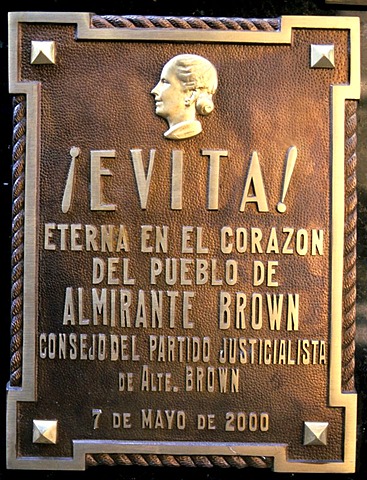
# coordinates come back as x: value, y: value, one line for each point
x: 350, y: 243
x: 17, y: 245
x: 206, y: 461
x: 204, y: 23
x: 349, y: 280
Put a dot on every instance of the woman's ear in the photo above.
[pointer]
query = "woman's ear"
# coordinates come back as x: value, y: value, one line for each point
x: 190, y: 99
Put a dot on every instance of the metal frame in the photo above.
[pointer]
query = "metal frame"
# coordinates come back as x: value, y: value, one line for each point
x: 27, y: 393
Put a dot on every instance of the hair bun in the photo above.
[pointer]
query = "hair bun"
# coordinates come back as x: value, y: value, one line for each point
x: 204, y: 104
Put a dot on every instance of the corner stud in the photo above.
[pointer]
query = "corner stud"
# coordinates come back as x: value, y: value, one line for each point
x: 45, y: 431
x: 315, y: 433
x: 42, y: 53
x: 322, y: 56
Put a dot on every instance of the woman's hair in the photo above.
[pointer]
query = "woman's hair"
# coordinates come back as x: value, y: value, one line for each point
x: 197, y: 73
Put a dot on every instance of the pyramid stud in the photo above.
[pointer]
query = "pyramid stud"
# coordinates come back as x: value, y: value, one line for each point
x: 315, y: 433
x: 42, y: 53
x: 45, y: 431
x: 322, y: 56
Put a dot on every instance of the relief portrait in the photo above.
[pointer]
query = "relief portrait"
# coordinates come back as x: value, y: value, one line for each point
x: 185, y: 90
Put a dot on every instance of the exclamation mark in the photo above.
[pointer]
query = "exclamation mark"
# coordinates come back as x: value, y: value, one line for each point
x: 289, y: 166
x: 66, y: 199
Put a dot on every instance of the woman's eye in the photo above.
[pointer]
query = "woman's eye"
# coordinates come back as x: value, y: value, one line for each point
x: 163, y: 80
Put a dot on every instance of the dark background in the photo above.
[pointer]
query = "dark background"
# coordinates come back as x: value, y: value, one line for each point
x: 226, y: 8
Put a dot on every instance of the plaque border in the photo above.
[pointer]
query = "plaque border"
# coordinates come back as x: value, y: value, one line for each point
x: 26, y: 392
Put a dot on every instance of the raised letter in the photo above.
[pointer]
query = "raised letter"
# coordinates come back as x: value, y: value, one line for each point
x: 213, y: 181
x: 255, y: 180
x: 176, y: 182
x: 142, y: 181
x: 96, y: 171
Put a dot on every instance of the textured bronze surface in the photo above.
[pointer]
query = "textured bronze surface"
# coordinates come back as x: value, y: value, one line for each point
x: 250, y: 210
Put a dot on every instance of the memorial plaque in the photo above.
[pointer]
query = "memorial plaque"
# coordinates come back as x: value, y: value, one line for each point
x: 184, y: 224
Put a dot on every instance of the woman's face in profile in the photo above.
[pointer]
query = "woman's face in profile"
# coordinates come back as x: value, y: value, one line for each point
x: 169, y: 94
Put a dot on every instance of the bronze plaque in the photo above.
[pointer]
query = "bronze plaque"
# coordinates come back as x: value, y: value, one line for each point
x: 183, y: 242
